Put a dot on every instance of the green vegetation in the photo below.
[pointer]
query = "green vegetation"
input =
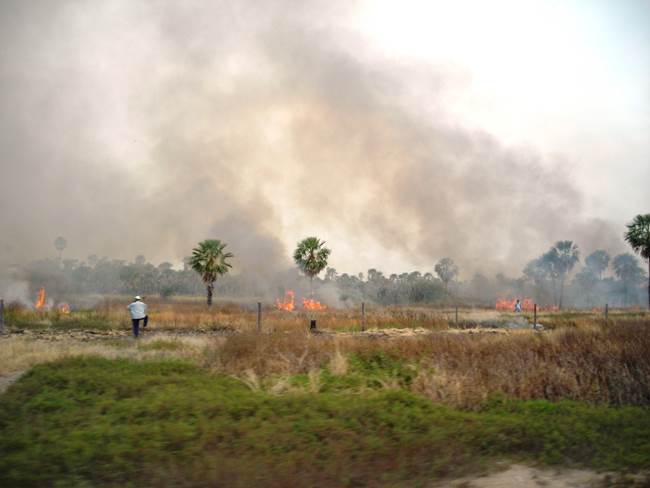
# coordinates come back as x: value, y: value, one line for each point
x: 99, y: 422
x: 210, y: 261
x: 311, y: 257
x: 638, y: 236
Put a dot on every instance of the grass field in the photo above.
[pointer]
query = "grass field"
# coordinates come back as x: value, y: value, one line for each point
x: 88, y: 422
x: 209, y: 402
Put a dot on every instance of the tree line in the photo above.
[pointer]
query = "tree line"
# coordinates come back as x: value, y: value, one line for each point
x: 557, y: 278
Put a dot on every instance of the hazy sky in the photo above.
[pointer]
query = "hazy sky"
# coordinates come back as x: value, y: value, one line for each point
x: 565, y: 77
x: 400, y: 132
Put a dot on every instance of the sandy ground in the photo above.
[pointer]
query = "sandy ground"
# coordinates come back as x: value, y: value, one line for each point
x: 521, y: 476
x: 411, y: 332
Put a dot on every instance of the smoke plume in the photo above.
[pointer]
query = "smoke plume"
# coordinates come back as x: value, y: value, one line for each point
x: 137, y: 127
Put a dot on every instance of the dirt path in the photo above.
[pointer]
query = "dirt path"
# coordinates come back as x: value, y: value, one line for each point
x: 8, y: 379
x: 85, y: 335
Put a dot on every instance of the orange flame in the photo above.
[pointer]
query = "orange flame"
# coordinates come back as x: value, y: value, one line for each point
x: 64, y: 308
x: 311, y: 304
x: 505, y: 305
x: 287, y: 303
x: 40, y: 301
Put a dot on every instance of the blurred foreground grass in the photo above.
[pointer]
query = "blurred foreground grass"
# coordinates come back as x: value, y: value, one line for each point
x: 99, y: 422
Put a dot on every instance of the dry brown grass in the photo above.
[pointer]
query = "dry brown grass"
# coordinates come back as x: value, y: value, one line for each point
x: 596, y: 364
x: 18, y: 353
x: 599, y: 364
x: 195, y: 315
x: 231, y: 316
x: 579, y: 358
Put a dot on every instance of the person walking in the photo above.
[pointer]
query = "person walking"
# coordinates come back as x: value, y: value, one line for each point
x: 518, y: 306
x: 138, y: 310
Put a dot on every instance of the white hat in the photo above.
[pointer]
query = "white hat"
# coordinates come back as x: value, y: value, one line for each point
x: 137, y: 297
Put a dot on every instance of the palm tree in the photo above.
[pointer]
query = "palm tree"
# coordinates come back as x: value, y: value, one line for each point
x: 331, y: 274
x: 597, y: 262
x: 566, y: 256
x: 586, y: 281
x: 627, y: 269
x: 60, y: 244
x: 311, y: 257
x: 638, y: 236
x: 446, y: 270
x: 210, y: 261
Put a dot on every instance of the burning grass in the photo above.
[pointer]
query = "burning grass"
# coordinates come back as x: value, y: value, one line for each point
x: 227, y: 316
x: 191, y: 314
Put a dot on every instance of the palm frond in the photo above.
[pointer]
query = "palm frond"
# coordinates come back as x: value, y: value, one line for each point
x: 209, y: 260
x: 311, y: 256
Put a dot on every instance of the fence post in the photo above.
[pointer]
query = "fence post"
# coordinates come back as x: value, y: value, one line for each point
x: 259, y: 317
x: 606, y: 312
x: 363, y: 316
x: 2, y: 316
x: 456, y: 315
x: 534, y: 315
x: 312, y: 325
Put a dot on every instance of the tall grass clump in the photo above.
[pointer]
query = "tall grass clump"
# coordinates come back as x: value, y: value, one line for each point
x: 607, y: 364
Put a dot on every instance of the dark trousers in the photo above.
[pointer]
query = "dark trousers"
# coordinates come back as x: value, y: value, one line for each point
x: 136, y: 325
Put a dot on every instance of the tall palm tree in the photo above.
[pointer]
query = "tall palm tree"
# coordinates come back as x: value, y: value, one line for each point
x: 566, y: 257
x: 60, y: 244
x: 597, y: 262
x: 331, y: 274
x: 627, y: 269
x: 311, y: 257
x: 210, y: 261
x: 537, y: 272
x: 638, y: 236
x: 446, y: 270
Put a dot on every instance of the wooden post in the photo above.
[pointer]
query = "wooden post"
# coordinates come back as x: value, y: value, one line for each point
x: 534, y: 315
x: 259, y: 317
x: 2, y: 316
x: 363, y: 316
x: 312, y: 325
x: 456, y: 315
x: 606, y: 312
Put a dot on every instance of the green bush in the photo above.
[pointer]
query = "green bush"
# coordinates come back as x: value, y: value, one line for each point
x: 98, y: 422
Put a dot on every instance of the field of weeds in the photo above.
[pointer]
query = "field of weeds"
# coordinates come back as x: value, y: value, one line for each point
x: 204, y: 399
x: 596, y: 362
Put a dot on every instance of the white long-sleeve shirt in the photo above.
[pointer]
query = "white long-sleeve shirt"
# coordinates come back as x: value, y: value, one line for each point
x: 138, y: 309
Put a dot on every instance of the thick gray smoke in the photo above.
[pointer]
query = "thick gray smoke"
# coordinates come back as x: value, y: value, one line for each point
x: 141, y: 127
